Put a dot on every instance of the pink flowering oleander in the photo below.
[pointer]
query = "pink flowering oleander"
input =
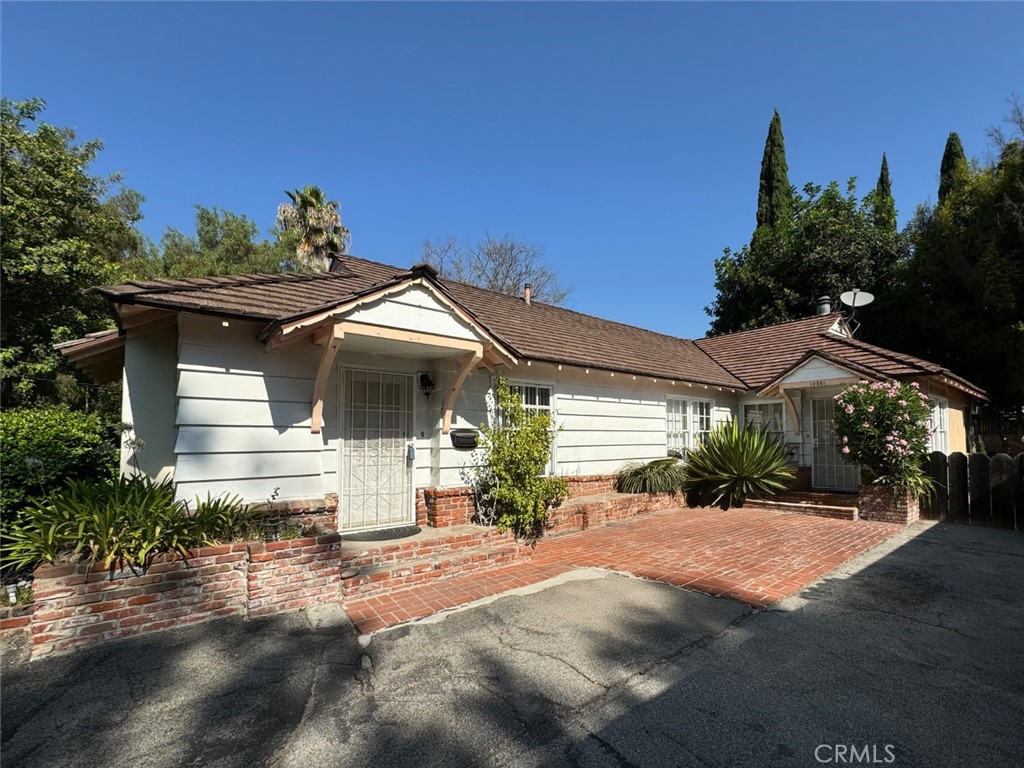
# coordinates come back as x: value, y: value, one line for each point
x: 883, y: 426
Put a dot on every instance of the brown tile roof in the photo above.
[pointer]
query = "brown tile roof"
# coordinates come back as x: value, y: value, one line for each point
x: 760, y: 356
x: 537, y: 331
x: 756, y: 357
x: 541, y: 332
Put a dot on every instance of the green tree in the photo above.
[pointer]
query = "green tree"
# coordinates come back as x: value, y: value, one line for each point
x: 883, y: 205
x: 774, y: 196
x: 959, y: 300
x: 62, y: 230
x: 831, y: 244
x: 953, y: 160
x: 225, y: 243
x: 317, y: 221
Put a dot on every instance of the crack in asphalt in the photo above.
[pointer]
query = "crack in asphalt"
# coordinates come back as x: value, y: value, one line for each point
x: 505, y: 643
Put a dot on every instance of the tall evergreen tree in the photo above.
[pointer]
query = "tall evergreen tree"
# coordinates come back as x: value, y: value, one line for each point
x: 884, y: 206
x: 951, y: 160
x: 774, y: 197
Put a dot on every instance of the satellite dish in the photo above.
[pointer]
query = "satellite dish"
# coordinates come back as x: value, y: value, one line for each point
x: 856, y: 298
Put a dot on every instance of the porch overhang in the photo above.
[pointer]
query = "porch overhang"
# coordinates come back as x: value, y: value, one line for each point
x: 787, y: 380
x: 334, y: 329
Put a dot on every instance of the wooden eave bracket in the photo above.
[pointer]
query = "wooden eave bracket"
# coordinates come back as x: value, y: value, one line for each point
x: 330, y: 338
x: 468, y: 363
x: 794, y: 415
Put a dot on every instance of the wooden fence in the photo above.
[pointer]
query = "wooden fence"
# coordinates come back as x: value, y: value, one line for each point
x: 977, y: 489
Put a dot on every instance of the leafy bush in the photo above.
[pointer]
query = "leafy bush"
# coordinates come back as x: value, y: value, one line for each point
x: 123, y: 524
x: 511, y: 487
x: 42, y: 448
x: 733, y: 463
x: 658, y: 476
x: 884, y: 428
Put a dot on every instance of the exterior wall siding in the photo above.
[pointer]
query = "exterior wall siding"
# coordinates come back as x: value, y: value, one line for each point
x: 243, y: 416
x: 605, y: 420
x: 148, y: 400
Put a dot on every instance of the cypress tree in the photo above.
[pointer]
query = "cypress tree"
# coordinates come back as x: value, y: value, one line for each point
x: 884, y: 208
x: 951, y: 159
x: 773, y: 196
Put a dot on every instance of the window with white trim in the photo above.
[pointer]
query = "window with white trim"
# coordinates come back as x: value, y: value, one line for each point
x: 687, y: 423
x: 768, y: 416
x: 537, y: 398
x: 938, y: 426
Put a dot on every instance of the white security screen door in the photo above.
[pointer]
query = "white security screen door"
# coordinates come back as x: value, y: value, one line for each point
x: 376, y: 465
x: 828, y: 470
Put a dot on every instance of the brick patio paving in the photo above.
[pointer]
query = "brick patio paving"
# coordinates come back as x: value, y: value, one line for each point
x: 756, y: 557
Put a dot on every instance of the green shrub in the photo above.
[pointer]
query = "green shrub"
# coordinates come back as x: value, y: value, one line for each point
x: 658, y: 476
x: 123, y: 523
x: 511, y: 487
x: 733, y: 463
x: 42, y: 448
x: 884, y: 428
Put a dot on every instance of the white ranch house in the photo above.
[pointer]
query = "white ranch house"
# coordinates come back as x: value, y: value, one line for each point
x: 344, y: 389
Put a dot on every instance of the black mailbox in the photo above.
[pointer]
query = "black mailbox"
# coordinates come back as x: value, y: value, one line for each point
x: 464, y: 439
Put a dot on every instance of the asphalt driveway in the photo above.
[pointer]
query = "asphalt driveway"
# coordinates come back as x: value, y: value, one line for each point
x: 913, y: 649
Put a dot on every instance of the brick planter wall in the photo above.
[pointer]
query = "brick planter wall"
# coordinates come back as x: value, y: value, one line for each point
x: 284, y: 575
x: 580, y: 515
x: 439, y: 508
x: 448, y: 507
x: 801, y: 479
x: 588, y: 485
x: 16, y: 616
x: 322, y: 512
x: 77, y: 605
x: 877, y: 502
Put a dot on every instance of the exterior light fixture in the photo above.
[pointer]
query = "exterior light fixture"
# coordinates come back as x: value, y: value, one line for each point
x: 426, y: 384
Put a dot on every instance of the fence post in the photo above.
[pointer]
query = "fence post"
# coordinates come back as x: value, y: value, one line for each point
x: 1018, y: 489
x: 935, y: 506
x: 981, y: 489
x: 1001, y: 478
x: 958, y: 509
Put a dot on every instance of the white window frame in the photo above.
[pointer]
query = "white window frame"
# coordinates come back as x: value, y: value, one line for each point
x: 792, y: 449
x: 938, y: 425
x: 784, y: 423
x: 521, y: 386
x: 688, y: 426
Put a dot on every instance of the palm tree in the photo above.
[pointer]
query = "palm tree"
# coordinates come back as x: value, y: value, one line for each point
x: 318, y: 222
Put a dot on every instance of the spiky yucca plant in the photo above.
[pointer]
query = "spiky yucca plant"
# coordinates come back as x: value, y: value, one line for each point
x: 734, y: 463
x: 658, y: 476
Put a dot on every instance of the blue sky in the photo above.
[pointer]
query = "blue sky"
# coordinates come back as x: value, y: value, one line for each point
x: 623, y: 139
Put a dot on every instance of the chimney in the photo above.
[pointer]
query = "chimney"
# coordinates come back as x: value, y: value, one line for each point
x: 527, y: 290
x: 824, y: 306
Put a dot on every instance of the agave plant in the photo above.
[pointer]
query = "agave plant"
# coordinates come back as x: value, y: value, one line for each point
x: 734, y: 463
x: 658, y: 476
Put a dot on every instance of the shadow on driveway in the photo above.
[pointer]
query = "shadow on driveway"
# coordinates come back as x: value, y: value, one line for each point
x: 916, y: 645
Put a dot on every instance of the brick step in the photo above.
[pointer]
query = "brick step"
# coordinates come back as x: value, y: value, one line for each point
x: 360, y: 554
x: 816, y: 510
x: 390, y: 576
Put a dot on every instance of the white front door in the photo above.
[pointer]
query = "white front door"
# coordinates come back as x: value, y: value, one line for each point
x: 377, y: 464
x: 828, y: 470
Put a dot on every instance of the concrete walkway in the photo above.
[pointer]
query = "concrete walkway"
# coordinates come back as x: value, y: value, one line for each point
x: 756, y: 557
